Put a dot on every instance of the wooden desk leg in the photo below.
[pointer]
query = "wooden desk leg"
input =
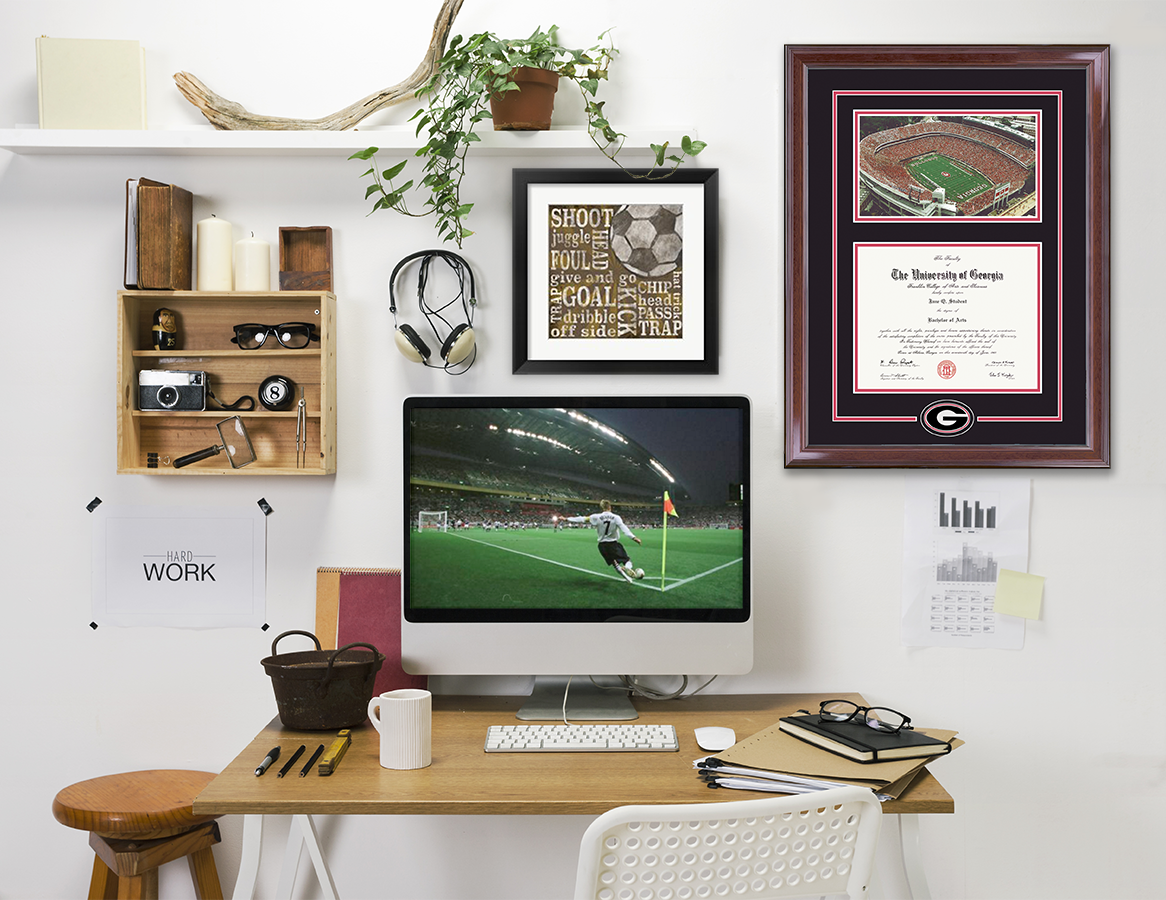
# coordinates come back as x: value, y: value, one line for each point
x: 249, y: 859
x: 303, y: 831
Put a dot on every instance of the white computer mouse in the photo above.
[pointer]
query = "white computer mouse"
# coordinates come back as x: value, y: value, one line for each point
x: 713, y: 738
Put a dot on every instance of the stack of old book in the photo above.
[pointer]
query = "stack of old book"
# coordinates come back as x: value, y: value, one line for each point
x: 800, y: 754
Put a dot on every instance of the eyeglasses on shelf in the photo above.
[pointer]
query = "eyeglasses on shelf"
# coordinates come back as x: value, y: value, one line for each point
x: 292, y: 335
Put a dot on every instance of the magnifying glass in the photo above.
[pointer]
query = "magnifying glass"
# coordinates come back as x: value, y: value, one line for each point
x: 233, y: 438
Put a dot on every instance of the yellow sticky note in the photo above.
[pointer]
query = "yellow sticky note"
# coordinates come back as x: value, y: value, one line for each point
x: 1019, y: 594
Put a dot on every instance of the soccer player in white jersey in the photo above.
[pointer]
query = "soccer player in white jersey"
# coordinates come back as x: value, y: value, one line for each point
x: 608, y: 525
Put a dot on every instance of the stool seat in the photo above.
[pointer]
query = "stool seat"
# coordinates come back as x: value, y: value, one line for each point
x: 134, y: 805
x: 138, y: 821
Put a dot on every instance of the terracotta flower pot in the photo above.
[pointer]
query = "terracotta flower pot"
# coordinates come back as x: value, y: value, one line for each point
x: 530, y: 107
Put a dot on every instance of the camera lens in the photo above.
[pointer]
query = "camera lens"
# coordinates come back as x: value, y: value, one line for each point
x: 167, y: 395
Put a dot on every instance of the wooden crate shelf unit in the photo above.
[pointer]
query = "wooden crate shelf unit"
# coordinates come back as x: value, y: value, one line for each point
x: 148, y: 441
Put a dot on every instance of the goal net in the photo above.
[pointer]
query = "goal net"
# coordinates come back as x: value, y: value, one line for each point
x: 435, y: 520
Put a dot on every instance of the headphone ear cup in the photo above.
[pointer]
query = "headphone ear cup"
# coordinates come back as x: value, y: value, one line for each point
x: 410, y: 344
x: 458, y: 345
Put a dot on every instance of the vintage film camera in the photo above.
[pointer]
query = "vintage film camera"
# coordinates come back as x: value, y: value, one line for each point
x: 161, y: 389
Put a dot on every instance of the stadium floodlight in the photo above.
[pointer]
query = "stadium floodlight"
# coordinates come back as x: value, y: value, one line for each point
x: 538, y: 437
x: 659, y: 468
x: 598, y: 426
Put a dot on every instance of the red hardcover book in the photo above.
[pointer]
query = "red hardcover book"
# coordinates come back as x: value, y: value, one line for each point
x: 364, y: 605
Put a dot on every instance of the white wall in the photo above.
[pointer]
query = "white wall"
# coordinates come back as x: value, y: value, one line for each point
x: 1077, y: 716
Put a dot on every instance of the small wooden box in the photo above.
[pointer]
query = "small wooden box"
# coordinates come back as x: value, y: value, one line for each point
x: 305, y: 258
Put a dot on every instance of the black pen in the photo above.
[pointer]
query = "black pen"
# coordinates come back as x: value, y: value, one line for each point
x: 291, y: 762
x: 267, y: 761
x: 311, y: 762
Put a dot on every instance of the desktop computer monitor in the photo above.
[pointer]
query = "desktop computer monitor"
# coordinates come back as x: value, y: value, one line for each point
x: 510, y: 502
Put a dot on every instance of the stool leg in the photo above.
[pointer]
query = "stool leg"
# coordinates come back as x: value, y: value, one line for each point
x: 138, y: 887
x: 205, y: 875
x: 103, y: 884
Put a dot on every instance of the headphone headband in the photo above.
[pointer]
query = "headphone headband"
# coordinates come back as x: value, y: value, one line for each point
x: 451, y: 259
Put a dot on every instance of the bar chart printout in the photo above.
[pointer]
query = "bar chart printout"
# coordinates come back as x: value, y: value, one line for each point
x: 972, y: 566
x: 959, y: 533
x: 964, y: 513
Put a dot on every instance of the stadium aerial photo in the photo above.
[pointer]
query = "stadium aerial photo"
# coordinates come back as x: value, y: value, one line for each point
x: 936, y: 165
x: 520, y: 508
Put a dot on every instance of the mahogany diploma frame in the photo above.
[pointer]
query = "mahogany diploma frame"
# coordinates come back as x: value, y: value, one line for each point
x: 947, y: 256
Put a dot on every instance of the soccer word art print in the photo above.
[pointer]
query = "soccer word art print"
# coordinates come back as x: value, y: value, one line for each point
x: 614, y: 274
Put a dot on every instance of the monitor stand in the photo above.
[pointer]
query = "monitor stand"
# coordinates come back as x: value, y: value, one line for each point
x: 585, y: 701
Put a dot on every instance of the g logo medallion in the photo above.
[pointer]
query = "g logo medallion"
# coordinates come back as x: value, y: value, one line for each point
x: 947, y: 418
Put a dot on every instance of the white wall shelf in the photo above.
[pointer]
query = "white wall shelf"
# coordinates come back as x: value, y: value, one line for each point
x: 209, y: 142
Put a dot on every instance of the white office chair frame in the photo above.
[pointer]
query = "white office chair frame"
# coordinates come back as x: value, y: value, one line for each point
x: 782, y: 846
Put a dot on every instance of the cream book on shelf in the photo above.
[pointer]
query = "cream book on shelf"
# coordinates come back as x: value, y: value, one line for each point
x: 87, y: 83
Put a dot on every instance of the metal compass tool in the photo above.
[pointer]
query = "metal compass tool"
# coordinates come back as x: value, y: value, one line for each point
x: 302, y: 432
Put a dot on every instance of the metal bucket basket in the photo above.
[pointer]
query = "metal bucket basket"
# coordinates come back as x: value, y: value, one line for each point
x: 319, y: 690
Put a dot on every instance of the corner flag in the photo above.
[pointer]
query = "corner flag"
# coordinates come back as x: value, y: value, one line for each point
x: 669, y: 510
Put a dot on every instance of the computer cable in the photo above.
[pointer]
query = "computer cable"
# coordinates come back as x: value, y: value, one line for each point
x: 629, y: 683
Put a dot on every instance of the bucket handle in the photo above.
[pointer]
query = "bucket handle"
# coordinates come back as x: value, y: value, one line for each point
x: 315, y: 640
x: 322, y: 685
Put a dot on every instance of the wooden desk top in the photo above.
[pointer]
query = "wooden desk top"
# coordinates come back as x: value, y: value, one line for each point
x: 465, y: 780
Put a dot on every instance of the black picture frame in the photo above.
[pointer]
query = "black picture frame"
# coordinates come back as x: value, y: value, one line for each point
x: 878, y: 370
x: 584, y: 302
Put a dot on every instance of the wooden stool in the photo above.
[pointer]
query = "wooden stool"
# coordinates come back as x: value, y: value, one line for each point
x: 138, y: 821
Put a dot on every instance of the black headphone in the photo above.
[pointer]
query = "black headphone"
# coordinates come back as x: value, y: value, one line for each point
x: 459, y: 345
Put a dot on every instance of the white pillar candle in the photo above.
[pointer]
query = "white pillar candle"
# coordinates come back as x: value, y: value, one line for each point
x: 214, y: 254
x: 252, y: 264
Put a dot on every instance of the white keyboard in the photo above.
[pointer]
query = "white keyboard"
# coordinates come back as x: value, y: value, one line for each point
x: 590, y: 737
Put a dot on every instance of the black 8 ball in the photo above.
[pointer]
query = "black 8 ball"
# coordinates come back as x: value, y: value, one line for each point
x: 276, y: 392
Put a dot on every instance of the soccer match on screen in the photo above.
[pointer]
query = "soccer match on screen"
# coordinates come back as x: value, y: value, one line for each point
x: 620, y: 508
x: 947, y: 165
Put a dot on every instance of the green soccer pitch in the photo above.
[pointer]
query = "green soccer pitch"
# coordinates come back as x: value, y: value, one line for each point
x: 960, y: 181
x: 547, y: 569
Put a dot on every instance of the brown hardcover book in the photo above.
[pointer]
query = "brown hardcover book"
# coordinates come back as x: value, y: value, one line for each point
x: 165, y: 236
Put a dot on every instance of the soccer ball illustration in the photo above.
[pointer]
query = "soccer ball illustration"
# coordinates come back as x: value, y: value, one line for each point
x: 639, y: 573
x: 648, y: 238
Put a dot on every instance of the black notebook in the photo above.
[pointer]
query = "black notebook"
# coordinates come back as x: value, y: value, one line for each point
x: 860, y: 742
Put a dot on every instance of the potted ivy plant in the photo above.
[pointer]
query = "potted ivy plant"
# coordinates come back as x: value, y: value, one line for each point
x: 481, y: 73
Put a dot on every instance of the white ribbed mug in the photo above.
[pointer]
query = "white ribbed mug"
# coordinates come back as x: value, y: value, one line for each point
x: 405, y: 720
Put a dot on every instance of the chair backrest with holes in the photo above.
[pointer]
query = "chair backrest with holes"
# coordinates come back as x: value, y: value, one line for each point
x: 781, y: 846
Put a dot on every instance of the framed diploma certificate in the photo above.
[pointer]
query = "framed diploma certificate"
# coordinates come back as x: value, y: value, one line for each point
x: 947, y: 256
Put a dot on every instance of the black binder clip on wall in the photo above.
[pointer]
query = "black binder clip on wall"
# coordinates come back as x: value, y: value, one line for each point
x: 233, y: 438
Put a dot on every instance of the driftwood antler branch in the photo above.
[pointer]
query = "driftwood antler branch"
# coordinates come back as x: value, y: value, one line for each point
x: 227, y: 115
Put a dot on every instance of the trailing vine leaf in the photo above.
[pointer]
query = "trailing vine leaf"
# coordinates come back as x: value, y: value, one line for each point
x: 457, y: 97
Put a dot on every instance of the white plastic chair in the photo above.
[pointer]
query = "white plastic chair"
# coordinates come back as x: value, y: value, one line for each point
x: 780, y: 846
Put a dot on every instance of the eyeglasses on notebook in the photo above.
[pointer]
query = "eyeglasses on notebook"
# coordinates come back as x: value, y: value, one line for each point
x: 877, y: 717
